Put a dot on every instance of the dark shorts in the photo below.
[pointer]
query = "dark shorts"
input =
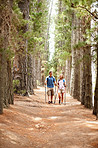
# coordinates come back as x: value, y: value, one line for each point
x: 50, y: 91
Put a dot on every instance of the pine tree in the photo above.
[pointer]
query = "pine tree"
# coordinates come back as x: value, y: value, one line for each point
x: 6, y: 89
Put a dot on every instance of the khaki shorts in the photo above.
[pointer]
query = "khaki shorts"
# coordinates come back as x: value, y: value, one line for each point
x: 61, y: 90
x: 50, y: 91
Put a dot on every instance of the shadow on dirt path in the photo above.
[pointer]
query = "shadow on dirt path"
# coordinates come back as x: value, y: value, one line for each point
x: 32, y: 123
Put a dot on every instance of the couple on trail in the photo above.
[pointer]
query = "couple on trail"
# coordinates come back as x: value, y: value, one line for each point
x: 50, y: 82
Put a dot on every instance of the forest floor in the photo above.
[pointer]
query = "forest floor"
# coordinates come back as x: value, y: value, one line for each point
x: 32, y: 123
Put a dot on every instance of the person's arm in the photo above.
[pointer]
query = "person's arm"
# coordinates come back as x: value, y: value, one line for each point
x: 64, y: 82
x: 54, y: 81
x: 58, y: 84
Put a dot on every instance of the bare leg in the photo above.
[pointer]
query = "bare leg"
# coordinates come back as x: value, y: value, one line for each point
x: 62, y: 97
x: 51, y: 98
x: 59, y: 97
x: 48, y: 98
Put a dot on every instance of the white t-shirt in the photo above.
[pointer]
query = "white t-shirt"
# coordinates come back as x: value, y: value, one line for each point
x: 61, y: 83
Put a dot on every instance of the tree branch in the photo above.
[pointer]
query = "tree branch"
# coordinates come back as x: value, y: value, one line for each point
x: 95, y: 16
x: 88, y: 11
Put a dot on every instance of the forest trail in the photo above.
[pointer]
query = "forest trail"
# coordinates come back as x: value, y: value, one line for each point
x: 31, y: 123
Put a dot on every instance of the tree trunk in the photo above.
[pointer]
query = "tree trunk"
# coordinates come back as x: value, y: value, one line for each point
x: 10, y: 91
x: 76, y: 91
x: 6, y: 92
x: 88, y: 78
x: 82, y: 71
x: 24, y: 59
x: 83, y: 63
x: 1, y: 85
x: 82, y: 93
x: 95, y: 110
x: 68, y: 74
x: 73, y: 41
x: 39, y: 69
x: 29, y: 75
x: 34, y: 72
x: 24, y: 7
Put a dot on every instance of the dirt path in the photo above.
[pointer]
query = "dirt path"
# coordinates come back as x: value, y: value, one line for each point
x: 31, y: 123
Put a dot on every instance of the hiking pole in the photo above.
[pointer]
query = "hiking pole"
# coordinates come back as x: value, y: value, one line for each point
x: 65, y: 98
x: 45, y: 93
x: 55, y: 95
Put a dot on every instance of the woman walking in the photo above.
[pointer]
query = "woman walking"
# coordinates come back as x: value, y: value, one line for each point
x: 61, y: 88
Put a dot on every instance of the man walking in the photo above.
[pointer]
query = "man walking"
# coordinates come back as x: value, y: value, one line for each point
x: 50, y: 81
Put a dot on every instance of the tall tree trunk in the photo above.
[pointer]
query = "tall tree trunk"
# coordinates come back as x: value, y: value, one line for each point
x: 34, y: 72
x: 24, y: 7
x: 29, y: 75
x: 6, y: 92
x: 88, y: 74
x: 95, y: 110
x: 76, y: 91
x: 68, y: 74
x: 88, y: 78
x: 73, y: 41
x: 39, y: 69
x: 84, y: 93
x: 24, y: 59
x: 10, y: 90
x: 82, y: 71
x: 1, y: 85
x: 83, y: 63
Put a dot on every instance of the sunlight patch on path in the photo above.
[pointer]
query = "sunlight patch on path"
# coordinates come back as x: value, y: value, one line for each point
x: 91, y: 125
x: 40, y: 89
x: 63, y: 133
x: 31, y: 129
x: 90, y: 134
x: 12, y: 135
x: 36, y: 119
x: 54, y: 117
x: 95, y: 122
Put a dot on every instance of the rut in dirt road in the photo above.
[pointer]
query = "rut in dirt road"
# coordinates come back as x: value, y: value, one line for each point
x: 32, y: 123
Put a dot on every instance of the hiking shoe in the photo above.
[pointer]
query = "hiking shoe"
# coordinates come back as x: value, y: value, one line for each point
x: 49, y: 102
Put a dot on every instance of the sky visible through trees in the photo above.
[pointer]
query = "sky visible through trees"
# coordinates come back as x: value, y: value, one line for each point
x: 54, y: 10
